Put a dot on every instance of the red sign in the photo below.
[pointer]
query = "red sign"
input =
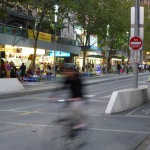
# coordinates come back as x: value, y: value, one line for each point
x: 135, y: 43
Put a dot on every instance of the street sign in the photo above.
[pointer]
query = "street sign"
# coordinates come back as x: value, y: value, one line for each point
x: 135, y: 43
x: 135, y: 56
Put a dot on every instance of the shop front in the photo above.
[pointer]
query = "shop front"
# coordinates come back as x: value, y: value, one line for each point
x: 20, y: 55
x: 92, y: 61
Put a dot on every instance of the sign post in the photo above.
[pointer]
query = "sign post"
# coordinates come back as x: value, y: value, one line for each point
x: 135, y: 46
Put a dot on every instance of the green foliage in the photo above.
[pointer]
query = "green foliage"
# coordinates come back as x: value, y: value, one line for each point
x: 93, y: 16
x: 146, y: 41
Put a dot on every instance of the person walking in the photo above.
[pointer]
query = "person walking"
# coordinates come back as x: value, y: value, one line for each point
x: 7, y: 68
x: 118, y: 68
x: 23, y: 71
x: 127, y: 68
x: 12, y: 70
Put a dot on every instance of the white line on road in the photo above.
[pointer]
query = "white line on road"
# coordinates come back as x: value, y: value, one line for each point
x: 88, y: 109
x: 108, y: 96
x: 94, y: 129
x: 28, y: 106
x: 135, y: 110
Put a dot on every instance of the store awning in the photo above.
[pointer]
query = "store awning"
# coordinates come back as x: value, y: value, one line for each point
x: 96, y: 56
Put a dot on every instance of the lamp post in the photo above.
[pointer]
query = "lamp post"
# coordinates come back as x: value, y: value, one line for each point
x: 56, y: 11
x: 107, y: 49
x: 127, y: 37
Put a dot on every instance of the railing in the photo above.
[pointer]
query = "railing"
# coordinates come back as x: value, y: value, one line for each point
x: 17, y: 31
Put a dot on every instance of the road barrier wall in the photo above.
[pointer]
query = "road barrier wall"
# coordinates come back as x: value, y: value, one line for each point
x: 127, y: 99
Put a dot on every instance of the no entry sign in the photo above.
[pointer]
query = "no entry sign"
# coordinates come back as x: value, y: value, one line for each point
x: 135, y: 43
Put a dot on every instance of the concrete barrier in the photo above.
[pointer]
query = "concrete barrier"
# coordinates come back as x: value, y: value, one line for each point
x: 127, y: 99
x: 10, y: 85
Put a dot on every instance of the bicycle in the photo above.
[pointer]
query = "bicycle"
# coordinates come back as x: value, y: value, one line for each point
x: 70, y: 130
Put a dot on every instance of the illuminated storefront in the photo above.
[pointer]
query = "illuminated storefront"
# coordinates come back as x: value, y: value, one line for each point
x: 20, y: 55
x: 93, y: 58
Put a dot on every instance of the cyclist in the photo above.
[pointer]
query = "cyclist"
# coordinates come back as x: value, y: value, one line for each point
x: 74, y: 81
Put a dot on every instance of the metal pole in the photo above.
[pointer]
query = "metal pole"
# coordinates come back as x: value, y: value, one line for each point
x: 56, y: 11
x: 55, y: 55
x: 106, y: 65
x: 136, y: 33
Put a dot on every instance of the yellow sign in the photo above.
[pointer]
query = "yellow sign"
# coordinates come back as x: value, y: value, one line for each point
x: 42, y: 36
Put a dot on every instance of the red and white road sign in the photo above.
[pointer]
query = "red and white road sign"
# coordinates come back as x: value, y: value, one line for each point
x: 135, y: 43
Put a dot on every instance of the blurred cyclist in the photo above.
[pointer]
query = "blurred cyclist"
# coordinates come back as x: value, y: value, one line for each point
x: 73, y: 80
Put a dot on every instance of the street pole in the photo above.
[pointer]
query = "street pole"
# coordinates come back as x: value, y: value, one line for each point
x: 56, y: 11
x: 107, y: 51
x: 55, y: 55
x: 136, y: 33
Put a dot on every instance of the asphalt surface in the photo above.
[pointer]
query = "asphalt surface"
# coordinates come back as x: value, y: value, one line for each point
x: 51, y: 85
x: 27, y: 122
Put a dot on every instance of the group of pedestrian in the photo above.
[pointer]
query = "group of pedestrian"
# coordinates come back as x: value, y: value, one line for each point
x: 123, y: 68
x: 143, y: 67
x: 9, y: 70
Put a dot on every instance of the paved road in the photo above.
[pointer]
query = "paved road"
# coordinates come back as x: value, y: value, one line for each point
x: 27, y: 122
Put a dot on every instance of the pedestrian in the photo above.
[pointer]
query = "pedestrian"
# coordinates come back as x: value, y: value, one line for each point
x: 3, y: 70
x: 118, y: 68
x: 12, y: 70
x: 127, y: 68
x: 18, y: 73
x: 7, y: 68
x: 23, y: 71
x: 42, y: 68
x: 48, y: 66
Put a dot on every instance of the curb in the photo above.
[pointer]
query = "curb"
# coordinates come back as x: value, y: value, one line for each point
x: 46, y: 89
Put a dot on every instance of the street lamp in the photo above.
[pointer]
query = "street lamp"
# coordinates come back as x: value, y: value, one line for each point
x: 107, y: 48
x: 127, y: 37
x: 56, y: 11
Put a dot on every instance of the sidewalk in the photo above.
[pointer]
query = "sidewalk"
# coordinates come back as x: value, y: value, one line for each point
x: 51, y: 85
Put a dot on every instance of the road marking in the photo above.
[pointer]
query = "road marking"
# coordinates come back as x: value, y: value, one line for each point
x: 130, y: 113
x: 92, y: 95
x: 106, y: 96
x: 28, y: 112
x: 25, y: 113
x: 87, y: 109
x: 94, y: 129
x: 28, y: 106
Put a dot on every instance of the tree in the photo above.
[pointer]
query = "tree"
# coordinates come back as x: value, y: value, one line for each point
x: 93, y: 16
x: 5, y: 5
x: 89, y: 15
x: 146, y: 41
x: 44, y: 16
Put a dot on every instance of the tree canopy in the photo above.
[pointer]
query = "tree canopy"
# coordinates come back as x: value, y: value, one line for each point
x: 93, y: 16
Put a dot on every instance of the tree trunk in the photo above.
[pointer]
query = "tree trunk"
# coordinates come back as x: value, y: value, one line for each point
x: 108, y: 64
x: 84, y: 57
x: 34, y: 57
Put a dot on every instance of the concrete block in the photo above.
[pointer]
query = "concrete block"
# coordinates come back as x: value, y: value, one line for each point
x: 127, y: 99
x: 10, y: 84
